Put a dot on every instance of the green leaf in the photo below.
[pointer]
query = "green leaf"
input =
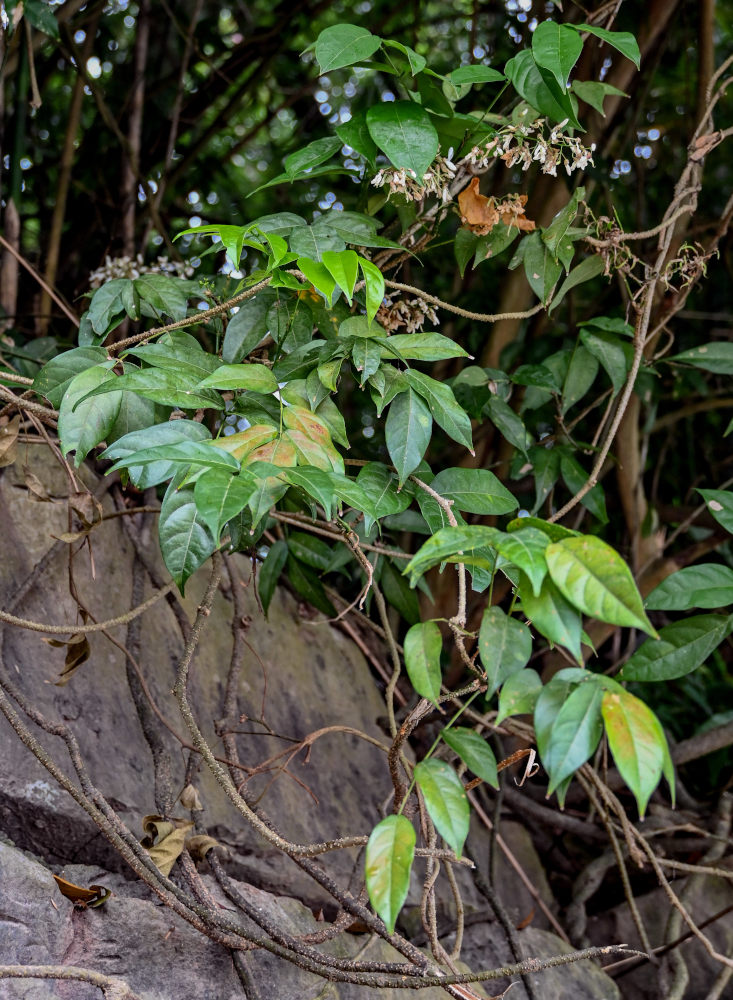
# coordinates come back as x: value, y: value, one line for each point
x: 596, y: 580
x: 405, y: 134
x: 270, y: 571
x: 549, y: 702
x: 185, y: 541
x: 446, y: 801
x: 54, y: 378
x: 135, y: 414
x: 166, y: 295
x: 505, y: 646
x: 476, y: 491
x: 315, y: 483
x: 575, y: 477
x: 708, y: 585
x: 248, y: 326
x: 473, y: 751
x: 407, y: 432
x: 174, y: 432
x: 416, y: 62
x: 319, y: 276
x: 519, y: 694
x: 314, y: 241
x: 164, y: 387
x: 526, y: 549
x: 552, y: 615
x: 312, y: 155
x: 553, y: 531
x: 199, y: 453
x: 557, y: 47
x: 388, y: 862
x: 581, y: 374
x: 254, y: 377
x: 366, y: 355
x: 397, y: 591
x: 474, y: 74
x: 623, y: 41
x: 355, y: 133
x: 84, y: 422
x: 444, y: 407
x: 266, y: 494
x: 610, y: 352
x: 344, y: 45
x: 720, y: 504
x: 539, y: 88
x: 312, y: 551
x: 680, y: 649
x: 556, y: 232
x: 586, y: 270
x: 423, y: 645
x: 546, y: 469
x: 107, y: 303
x: 309, y: 587
x: 716, y: 357
x: 380, y: 483
x: 177, y: 352
x: 220, y: 496
x: 540, y: 266
x: 575, y: 733
x: 508, y: 423
x: 424, y: 347
x: 594, y: 93
x: 447, y: 542
x: 637, y: 743
x: 374, y: 282
x: 40, y: 15
x: 344, y: 267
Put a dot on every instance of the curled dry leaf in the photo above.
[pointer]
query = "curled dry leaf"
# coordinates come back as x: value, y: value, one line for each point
x: 480, y: 214
x: 94, y: 896
x: 199, y: 846
x: 35, y: 487
x: 78, y: 651
x: 189, y: 799
x: 86, y: 507
x: 164, y: 840
x: 9, y: 441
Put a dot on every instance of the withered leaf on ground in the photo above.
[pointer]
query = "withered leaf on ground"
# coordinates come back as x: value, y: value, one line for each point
x: 94, y: 896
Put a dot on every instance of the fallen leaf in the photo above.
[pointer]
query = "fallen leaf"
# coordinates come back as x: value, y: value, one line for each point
x: 86, y: 507
x: 94, y: 896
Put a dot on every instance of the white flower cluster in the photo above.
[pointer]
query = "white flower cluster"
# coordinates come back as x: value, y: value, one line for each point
x: 133, y: 267
x: 408, y: 314
x: 528, y: 143
x: 435, y: 181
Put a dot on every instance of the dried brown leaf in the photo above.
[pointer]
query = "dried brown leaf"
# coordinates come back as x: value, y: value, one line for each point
x: 95, y: 895
x: 9, y: 441
x: 164, y: 840
x: 189, y: 799
x: 200, y: 845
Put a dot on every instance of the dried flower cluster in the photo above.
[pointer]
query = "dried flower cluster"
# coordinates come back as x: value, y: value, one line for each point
x: 408, y: 314
x: 435, y: 181
x: 133, y: 267
x: 529, y: 143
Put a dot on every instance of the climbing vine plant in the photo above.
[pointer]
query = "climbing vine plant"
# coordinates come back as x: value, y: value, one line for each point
x: 248, y: 444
